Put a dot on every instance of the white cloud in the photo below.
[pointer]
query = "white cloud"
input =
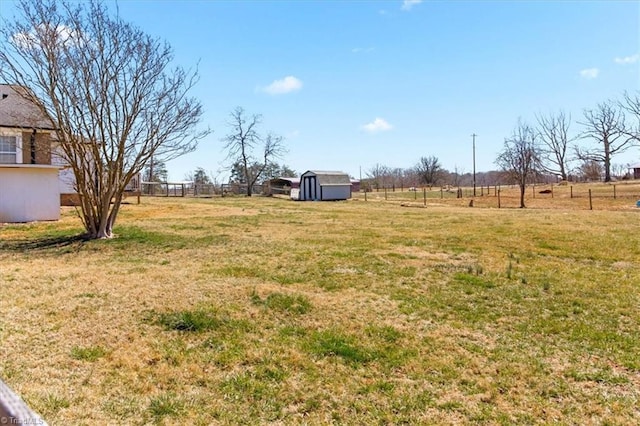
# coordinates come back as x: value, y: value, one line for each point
x: 362, y: 49
x: 63, y: 34
x: 408, y: 4
x: 286, y: 85
x: 377, y: 125
x: 632, y: 59
x: 590, y: 73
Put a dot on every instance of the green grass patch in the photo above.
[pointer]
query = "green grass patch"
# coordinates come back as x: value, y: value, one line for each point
x: 332, y: 343
x: 88, y: 353
x: 189, y: 320
x: 166, y: 405
x: 290, y: 303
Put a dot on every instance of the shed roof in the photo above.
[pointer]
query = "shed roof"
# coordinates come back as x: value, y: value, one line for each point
x: 16, y: 111
x: 328, y: 178
x: 288, y: 179
x: 634, y: 166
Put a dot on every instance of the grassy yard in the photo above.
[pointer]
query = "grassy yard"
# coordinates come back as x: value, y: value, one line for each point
x: 246, y: 311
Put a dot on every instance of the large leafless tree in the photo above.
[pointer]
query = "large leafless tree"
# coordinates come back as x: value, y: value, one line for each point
x: 605, y: 125
x: 631, y: 105
x: 244, y: 139
x: 553, y: 131
x: 429, y: 170
x: 110, y: 91
x: 519, y: 157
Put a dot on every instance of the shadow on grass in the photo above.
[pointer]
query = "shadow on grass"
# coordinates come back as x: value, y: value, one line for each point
x: 44, y: 243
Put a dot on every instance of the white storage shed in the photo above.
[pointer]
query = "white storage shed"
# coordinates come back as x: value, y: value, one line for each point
x: 318, y: 185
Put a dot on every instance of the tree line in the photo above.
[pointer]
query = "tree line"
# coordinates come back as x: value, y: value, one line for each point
x: 546, y: 151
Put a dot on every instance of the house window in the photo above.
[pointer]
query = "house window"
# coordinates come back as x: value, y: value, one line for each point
x: 8, y: 150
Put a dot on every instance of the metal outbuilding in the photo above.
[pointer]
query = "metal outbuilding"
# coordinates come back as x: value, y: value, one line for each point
x: 316, y: 185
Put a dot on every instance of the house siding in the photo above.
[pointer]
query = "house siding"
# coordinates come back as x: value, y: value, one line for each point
x: 29, y: 193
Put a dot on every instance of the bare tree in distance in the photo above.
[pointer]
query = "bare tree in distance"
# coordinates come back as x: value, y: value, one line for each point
x: 109, y: 90
x: 553, y: 131
x: 591, y: 170
x: 380, y: 175
x: 631, y: 104
x: 429, y: 170
x: 519, y: 157
x: 606, y: 126
x: 244, y: 139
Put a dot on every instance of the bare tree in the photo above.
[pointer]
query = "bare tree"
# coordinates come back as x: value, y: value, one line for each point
x: 243, y: 140
x: 631, y: 105
x: 429, y: 170
x: 380, y: 175
x: 108, y: 89
x: 606, y: 126
x: 591, y: 170
x: 553, y: 132
x: 620, y: 171
x: 519, y: 157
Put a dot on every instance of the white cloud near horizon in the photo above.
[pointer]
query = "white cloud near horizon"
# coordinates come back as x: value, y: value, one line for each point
x: 631, y: 59
x: 589, y: 73
x: 362, y: 49
x: 377, y: 125
x: 286, y: 85
x: 408, y: 4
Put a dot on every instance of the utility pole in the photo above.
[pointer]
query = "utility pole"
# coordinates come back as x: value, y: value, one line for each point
x: 474, y: 163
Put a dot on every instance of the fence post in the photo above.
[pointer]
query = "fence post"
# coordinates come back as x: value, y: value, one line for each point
x: 441, y: 193
x: 571, y: 187
x: 614, y: 192
x: 498, y: 198
x: 365, y: 194
x: 534, y: 190
x: 424, y: 191
x: 590, y: 203
x: 551, y: 190
x: 385, y: 192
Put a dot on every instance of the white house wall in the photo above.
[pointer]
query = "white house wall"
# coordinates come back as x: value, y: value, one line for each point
x: 29, y: 193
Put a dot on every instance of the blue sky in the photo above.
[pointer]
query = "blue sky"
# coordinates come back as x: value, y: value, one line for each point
x: 353, y: 83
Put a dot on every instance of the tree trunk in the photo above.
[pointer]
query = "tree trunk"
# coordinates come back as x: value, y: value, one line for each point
x: 522, y: 190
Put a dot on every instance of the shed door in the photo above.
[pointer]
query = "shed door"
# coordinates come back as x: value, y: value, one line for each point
x: 311, y: 188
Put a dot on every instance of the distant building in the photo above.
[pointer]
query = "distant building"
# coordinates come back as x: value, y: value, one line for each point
x: 281, y: 186
x: 355, y: 185
x: 636, y: 170
x: 316, y: 185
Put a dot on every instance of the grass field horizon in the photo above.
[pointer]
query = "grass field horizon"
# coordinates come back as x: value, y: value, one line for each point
x: 263, y: 310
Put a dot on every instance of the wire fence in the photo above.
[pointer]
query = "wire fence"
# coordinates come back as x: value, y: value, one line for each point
x: 571, y: 196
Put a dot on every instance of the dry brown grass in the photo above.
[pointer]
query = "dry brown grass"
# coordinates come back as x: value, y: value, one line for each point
x: 439, y: 315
